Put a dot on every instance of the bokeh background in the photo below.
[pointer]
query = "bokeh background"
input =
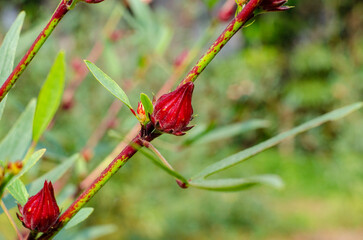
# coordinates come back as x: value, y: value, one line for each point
x: 286, y: 68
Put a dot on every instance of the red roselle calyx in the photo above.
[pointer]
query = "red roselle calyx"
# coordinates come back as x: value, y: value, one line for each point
x: 274, y: 5
x: 173, y: 111
x: 41, y: 211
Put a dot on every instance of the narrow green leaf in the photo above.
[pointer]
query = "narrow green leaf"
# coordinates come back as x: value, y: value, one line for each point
x: 146, y: 102
x: 18, y: 191
x: 95, y: 232
x: 28, y: 164
x: 8, y: 51
x: 156, y: 161
x: 229, y: 131
x: 246, y: 154
x: 237, y: 184
x: 52, y: 175
x: 15, y: 144
x: 2, y: 106
x: 49, y: 97
x: 8, y: 48
x: 108, y: 83
x: 82, y: 215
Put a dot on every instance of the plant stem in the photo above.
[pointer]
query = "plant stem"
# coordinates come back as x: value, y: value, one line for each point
x: 152, y: 148
x: 10, y: 219
x: 97, y: 184
x: 58, y: 14
x: 245, y: 15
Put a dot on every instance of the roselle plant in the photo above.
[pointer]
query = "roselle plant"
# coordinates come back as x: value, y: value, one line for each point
x: 170, y: 113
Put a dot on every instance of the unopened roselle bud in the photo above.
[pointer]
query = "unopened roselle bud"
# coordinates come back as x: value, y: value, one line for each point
x: 274, y: 5
x: 173, y: 111
x: 141, y: 113
x: 14, y: 167
x: 41, y: 211
x: 227, y: 11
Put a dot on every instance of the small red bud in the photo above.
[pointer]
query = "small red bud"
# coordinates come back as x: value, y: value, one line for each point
x: 116, y: 35
x: 180, y: 59
x: 181, y: 184
x: 141, y: 112
x: 227, y: 11
x: 15, y: 167
x: 274, y: 5
x: 87, y: 154
x: 173, y: 111
x: 41, y: 211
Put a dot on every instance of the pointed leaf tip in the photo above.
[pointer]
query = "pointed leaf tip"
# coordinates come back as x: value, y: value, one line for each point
x: 108, y: 83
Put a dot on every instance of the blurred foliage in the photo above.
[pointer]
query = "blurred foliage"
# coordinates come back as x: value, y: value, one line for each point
x: 285, y: 68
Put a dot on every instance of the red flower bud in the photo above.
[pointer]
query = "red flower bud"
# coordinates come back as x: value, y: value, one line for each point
x: 274, y: 5
x: 173, y: 111
x: 15, y: 167
x: 41, y: 211
x: 141, y: 113
x: 180, y: 59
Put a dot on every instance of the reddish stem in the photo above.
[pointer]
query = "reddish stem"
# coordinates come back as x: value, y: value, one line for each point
x: 236, y: 24
x: 98, y: 183
x: 58, y: 14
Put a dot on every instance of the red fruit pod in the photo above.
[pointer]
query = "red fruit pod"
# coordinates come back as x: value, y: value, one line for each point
x: 173, y: 111
x: 41, y: 211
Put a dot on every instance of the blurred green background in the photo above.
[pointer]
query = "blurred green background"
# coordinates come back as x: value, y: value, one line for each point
x: 285, y: 68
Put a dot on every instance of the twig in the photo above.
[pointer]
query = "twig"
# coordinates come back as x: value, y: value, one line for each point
x: 11, y: 220
x: 152, y: 148
x: 58, y: 14
x: 236, y: 24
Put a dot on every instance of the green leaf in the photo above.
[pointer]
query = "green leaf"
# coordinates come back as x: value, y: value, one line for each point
x: 228, y: 131
x: 108, y: 83
x: 237, y: 184
x: 52, y: 175
x: 146, y: 102
x: 156, y: 161
x: 18, y: 191
x: 7, y: 53
x: 49, y: 97
x: 210, y: 3
x: 2, y: 106
x: 28, y: 164
x: 82, y: 215
x: 246, y: 154
x: 15, y: 144
x: 89, y: 233
x: 8, y: 48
